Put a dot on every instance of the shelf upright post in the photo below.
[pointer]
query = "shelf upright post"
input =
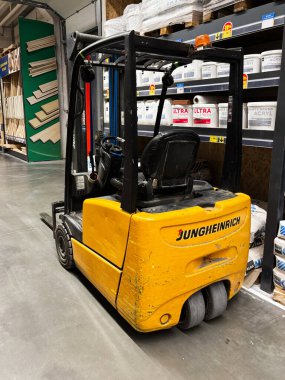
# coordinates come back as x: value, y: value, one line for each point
x: 276, y: 183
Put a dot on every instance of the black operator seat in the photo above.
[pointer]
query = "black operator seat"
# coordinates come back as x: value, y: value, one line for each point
x: 166, y: 165
x: 168, y: 159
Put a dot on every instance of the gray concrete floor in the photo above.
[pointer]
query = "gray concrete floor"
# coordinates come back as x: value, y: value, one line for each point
x: 55, y: 325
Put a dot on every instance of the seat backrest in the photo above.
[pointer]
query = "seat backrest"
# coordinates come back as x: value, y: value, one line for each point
x: 169, y: 158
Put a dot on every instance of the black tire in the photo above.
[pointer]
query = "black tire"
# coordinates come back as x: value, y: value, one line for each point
x: 193, y: 312
x: 216, y: 300
x: 64, y: 247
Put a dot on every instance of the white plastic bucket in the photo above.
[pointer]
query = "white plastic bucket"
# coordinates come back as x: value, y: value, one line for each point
x: 223, y: 115
x: 205, y: 115
x: 166, y: 116
x: 209, y: 70
x: 271, y: 60
x: 261, y: 115
x: 146, y: 78
x: 223, y: 70
x: 106, y: 112
x: 139, y: 78
x: 157, y: 77
x: 150, y: 111
x: 178, y: 74
x: 192, y: 71
x: 279, y: 278
x: 141, y: 112
x: 182, y: 115
x: 251, y: 63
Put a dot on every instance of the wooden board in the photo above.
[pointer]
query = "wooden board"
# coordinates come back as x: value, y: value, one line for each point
x: 36, y: 123
x: 50, y: 107
x: 40, y: 43
x: 42, y: 72
x: 33, y: 100
x: 39, y: 94
x: 42, y: 116
x: 52, y: 132
x: 48, y: 86
x: 42, y: 62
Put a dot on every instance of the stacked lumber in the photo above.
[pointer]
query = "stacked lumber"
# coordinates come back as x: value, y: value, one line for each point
x: 51, y: 133
x: 40, y: 43
x: 8, y: 50
x: 14, y: 107
x: 50, y: 111
x: 45, y: 91
x: 42, y: 66
x: 15, y: 130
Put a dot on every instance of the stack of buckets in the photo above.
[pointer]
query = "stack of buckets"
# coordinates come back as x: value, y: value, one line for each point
x: 279, y: 270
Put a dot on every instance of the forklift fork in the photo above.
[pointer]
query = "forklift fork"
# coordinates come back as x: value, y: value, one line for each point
x: 50, y: 221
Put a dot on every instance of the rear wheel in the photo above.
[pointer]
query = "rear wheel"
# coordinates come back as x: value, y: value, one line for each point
x: 193, y: 312
x: 64, y: 247
x: 216, y: 300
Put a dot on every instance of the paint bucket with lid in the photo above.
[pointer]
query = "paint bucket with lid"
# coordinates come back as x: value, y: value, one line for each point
x: 223, y: 70
x: 205, y: 115
x: 182, y: 115
x: 223, y: 115
x: 146, y: 78
x: 261, y: 115
x: 251, y: 63
x: 166, y: 116
x: 192, y: 71
x: 178, y: 74
x: 209, y: 70
x: 271, y: 60
x: 141, y: 112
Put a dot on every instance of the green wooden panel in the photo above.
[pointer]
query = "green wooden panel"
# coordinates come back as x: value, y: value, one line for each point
x: 32, y: 30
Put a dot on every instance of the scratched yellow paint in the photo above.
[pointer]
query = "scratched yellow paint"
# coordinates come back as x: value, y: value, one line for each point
x: 161, y: 269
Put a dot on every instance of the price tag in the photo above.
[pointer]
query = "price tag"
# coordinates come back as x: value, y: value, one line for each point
x: 227, y: 30
x: 217, y: 36
x: 217, y: 139
x: 244, y: 81
x: 267, y: 20
x: 180, y: 88
x: 152, y: 89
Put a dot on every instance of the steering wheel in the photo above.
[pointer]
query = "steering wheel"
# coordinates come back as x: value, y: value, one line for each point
x: 111, y: 148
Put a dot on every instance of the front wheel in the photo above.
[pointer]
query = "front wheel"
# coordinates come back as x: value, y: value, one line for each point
x: 64, y: 247
x: 193, y: 312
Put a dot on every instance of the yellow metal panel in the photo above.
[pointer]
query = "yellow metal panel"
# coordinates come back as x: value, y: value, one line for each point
x: 164, y: 266
x: 102, y: 274
x: 106, y: 228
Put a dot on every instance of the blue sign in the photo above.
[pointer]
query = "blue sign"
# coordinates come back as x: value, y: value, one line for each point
x: 4, y: 69
x: 268, y: 16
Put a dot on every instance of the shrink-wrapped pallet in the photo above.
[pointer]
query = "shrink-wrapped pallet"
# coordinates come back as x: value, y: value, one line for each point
x: 114, y: 26
x: 133, y: 17
x: 159, y: 14
x: 214, y: 5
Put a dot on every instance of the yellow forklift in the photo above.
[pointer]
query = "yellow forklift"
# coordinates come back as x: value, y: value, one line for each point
x: 165, y: 250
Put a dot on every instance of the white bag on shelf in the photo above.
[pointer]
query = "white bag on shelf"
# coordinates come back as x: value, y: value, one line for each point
x: 133, y: 17
x: 258, y: 220
x: 114, y: 26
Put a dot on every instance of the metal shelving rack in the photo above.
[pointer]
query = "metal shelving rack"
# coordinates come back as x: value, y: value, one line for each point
x: 248, y: 30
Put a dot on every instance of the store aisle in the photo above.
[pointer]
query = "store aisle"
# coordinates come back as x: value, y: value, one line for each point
x: 54, y: 325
